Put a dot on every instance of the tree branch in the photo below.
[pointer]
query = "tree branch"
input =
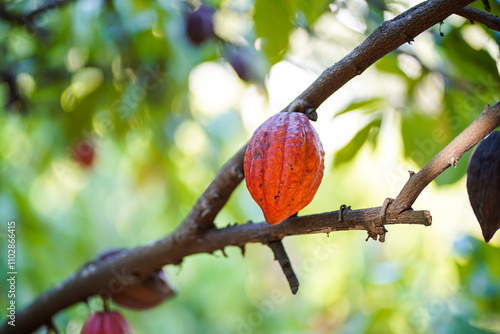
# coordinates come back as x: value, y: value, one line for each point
x: 130, y: 266
x: 133, y: 266
x: 480, y: 128
x: 476, y: 15
x: 387, y: 37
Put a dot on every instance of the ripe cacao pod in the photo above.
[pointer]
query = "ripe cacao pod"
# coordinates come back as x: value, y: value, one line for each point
x: 284, y: 165
x: 106, y: 322
x: 150, y: 292
x: 483, y: 184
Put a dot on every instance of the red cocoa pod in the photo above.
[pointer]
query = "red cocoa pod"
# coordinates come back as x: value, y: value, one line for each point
x: 483, y: 184
x: 84, y: 153
x: 147, y: 294
x: 106, y: 322
x: 284, y: 165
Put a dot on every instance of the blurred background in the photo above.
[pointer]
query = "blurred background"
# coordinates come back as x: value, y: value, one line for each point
x: 116, y: 115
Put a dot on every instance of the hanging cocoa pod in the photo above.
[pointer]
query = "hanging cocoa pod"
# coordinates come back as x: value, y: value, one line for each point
x: 483, y: 184
x: 150, y: 292
x: 284, y: 165
x: 106, y: 322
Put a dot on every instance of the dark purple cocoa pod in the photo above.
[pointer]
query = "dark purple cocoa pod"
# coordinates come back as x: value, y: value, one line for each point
x: 199, y: 25
x: 241, y: 65
x: 483, y: 184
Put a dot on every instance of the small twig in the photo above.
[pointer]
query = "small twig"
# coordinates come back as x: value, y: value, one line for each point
x: 51, y: 327
x: 341, y: 211
x: 105, y: 303
x: 282, y: 257
x: 476, y: 15
x: 486, y: 5
x: 29, y: 18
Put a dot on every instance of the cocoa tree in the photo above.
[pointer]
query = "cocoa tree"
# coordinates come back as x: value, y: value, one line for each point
x: 197, y: 233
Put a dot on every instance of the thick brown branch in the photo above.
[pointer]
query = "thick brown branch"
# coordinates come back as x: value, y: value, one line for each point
x: 387, y: 37
x: 480, y: 128
x: 131, y: 266
x: 476, y: 15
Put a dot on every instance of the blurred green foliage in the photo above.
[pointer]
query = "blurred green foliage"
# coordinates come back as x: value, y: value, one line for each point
x: 161, y: 115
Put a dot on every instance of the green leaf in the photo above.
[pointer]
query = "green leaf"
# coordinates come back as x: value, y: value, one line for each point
x: 423, y: 136
x: 389, y: 64
x: 273, y: 25
x: 375, y: 15
x: 367, y: 106
x: 349, y: 151
x: 313, y: 9
x: 474, y: 65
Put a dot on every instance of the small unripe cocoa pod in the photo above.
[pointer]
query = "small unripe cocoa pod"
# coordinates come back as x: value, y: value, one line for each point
x: 284, y: 165
x: 483, y: 184
x: 106, y: 322
x: 199, y: 25
x: 150, y: 292
x: 241, y: 65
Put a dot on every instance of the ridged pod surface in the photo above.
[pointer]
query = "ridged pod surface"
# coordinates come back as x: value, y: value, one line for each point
x: 483, y: 184
x: 106, y: 322
x: 284, y: 165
